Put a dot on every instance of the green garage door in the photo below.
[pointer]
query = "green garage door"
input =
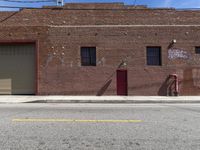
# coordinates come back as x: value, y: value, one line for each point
x: 17, y: 69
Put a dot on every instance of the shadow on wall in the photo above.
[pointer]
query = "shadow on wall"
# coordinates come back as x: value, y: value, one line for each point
x: 104, y: 88
x: 167, y: 88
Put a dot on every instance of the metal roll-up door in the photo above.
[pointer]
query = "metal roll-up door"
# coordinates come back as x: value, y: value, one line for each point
x: 17, y: 69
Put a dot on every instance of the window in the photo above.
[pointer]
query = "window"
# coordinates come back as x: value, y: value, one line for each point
x: 197, y: 50
x: 154, y: 56
x: 88, y: 56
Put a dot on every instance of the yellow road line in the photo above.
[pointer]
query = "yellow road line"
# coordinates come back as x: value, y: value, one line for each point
x: 76, y: 120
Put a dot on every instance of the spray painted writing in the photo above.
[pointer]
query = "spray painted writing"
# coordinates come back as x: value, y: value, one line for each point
x: 177, y: 53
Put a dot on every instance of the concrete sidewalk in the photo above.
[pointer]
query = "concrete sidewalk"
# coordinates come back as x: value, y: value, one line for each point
x: 99, y: 99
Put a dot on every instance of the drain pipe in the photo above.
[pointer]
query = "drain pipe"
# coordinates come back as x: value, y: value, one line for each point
x: 175, y: 76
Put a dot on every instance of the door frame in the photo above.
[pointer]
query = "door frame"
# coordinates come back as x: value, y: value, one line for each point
x: 27, y: 41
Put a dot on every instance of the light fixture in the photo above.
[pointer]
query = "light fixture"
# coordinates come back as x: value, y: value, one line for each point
x: 124, y: 64
x: 173, y: 41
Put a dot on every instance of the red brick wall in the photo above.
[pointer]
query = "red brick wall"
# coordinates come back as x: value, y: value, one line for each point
x: 61, y: 34
x: 117, y: 44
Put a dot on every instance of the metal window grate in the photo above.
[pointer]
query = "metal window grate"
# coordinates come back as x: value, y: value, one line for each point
x: 197, y: 49
x: 88, y: 56
x: 154, y: 56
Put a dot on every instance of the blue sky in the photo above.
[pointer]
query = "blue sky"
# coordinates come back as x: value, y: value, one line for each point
x: 149, y: 3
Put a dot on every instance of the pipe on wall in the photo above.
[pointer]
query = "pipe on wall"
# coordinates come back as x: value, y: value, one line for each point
x: 175, y: 76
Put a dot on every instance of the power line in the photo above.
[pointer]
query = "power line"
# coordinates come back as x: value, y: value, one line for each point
x: 16, y: 7
x: 20, y: 7
x: 187, y: 8
x: 1, y: 21
x: 36, y: 1
x: 197, y: 8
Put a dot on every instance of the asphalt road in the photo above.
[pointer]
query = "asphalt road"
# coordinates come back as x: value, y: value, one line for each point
x: 100, y: 126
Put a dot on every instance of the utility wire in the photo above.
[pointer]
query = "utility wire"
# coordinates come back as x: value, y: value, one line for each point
x: 16, y: 7
x: 36, y: 1
x: 1, y: 21
x: 20, y: 7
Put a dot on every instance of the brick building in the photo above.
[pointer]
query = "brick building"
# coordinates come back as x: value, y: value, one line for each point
x: 78, y: 48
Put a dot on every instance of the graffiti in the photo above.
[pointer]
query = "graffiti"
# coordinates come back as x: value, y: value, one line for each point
x: 177, y: 53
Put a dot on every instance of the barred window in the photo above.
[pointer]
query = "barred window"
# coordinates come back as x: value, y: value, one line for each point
x: 154, y: 56
x: 197, y: 49
x: 88, y: 56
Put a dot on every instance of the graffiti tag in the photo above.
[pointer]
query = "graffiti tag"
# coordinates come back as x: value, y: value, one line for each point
x: 177, y: 53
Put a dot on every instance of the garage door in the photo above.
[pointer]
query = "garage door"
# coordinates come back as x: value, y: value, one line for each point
x: 17, y: 69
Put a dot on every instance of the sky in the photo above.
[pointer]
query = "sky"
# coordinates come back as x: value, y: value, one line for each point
x: 149, y: 3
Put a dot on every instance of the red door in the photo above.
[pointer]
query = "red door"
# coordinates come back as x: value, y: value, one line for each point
x: 122, y: 85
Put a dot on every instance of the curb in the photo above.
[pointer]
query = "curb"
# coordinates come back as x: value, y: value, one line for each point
x: 117, y: 101
x: 99, y: 99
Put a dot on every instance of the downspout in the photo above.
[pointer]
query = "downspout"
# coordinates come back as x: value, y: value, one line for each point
x: 175, y: 76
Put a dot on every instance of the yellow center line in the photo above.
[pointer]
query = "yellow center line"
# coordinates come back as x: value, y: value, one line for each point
x: 76, y: 120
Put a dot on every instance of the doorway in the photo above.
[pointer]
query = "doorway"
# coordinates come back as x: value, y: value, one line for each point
x: 122, y: 82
